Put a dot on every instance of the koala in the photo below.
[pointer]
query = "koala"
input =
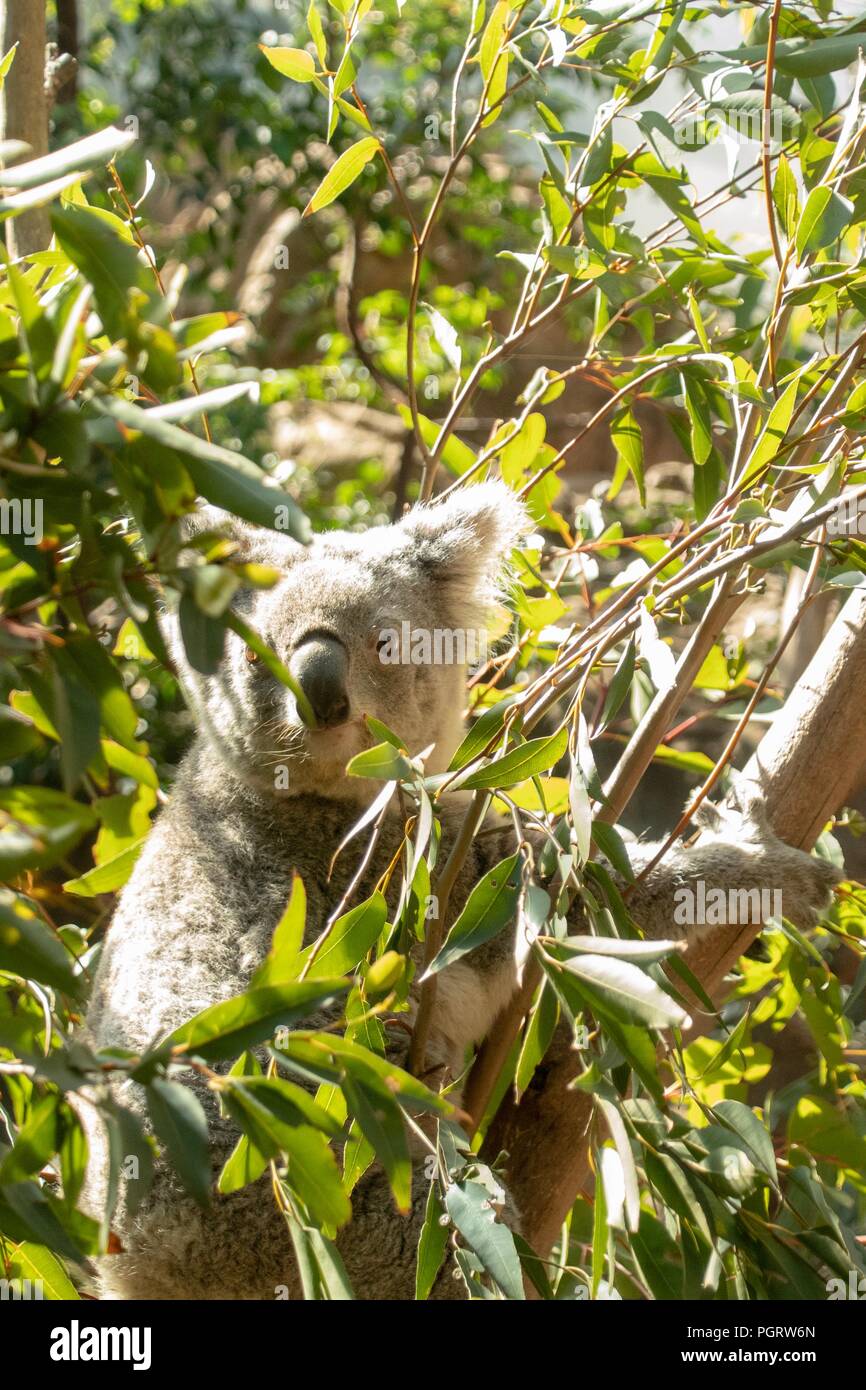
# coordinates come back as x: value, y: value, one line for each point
x: 198, y: 913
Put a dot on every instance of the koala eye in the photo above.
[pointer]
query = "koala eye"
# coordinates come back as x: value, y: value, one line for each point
x: 381, y: 641
x: 384, y: 639
x: 250, y: 656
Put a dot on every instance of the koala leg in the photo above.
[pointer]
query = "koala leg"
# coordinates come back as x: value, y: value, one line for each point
x: 739, y: 872
x: 379, y: 1247
x: 240, y: 1247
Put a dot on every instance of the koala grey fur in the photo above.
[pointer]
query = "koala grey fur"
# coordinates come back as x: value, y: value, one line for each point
x: 198, y: 913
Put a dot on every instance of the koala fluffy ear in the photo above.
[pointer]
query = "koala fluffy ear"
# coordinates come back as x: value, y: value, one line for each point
x: 256, y: 543
x: 465, y: 541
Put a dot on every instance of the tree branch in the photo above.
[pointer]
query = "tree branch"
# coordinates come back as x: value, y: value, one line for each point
x: 804, y: 769
x: 638, y: 755
x: 24, y: 109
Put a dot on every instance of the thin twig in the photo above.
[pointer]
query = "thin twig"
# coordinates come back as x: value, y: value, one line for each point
x: 766, y: 116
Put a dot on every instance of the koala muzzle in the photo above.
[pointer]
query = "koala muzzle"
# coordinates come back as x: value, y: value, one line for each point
x: 321, y: 667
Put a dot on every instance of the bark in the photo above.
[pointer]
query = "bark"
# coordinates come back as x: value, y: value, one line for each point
x: 24, y: 109
x: 636, y: 758
x: 67, y: 42
x: 804, y: 768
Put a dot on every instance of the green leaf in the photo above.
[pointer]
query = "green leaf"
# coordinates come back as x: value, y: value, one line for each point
x: 537, y: 1038
x: 73, y: 1155
x: 357, y: 1157
x: 645, y: 952
x: 243, y: 1166
x: 196, y: 332
x: 107, y: 261
x: 775, y: 430
x: 491, y: 907
x: 618, y: 1134
x: 580, y: 807
x: 666, y: 184
x: 100, y: 676
x: 132, y: 1143
x: 347, y: 942
x: 751, y: 1131
x: 280, y: 965
x: 700, y: 420
x: 268, y: 1107
x: 224, y: 477
x: 827, y: 1133
x: 43, y: 826
x: 381, y: 1122
x: 810, y: 57
x: 17, y: 734
x: 785, y: 197
x: 520, y: 453
x: 493, y: 37
x: 94, y: 150
x: 825, y: 216
x: 613, y: 848
x: 314, y: 1175
x: 383, y: 762
x: 295, y: 63
x: 179, y: 1123
x: 5, y: 64
x: 600, y: 1237
x: 30, y: 949
x: 627, y: 439
x: 733, y: 1043
x: 494, y: 60
x: 485, y: 728
x: 657, y: 1257
x: 109, y: 876
x: 129, y: 764
x: 619, y: 687
x: 432, y: 1244
x: 35, y: 1143
x: 193, y: 407
x: 729, y: 1170
x: 469, y: 1206
x: 15, y: 203
x: 675, y: 1190
x: 745, y: 112
x: 43, y: 1269
x: 35, y: 327
x: 28, y: 1213
x: 626, y: 990
x: 687, y: 761
x: 576, y: 261
x: 328, y: 1058
x: 446, y: 337
x: 204, y: 637
x: 343, y: 173
x: 530, y: 758
x: 226, y: 1029
x: 317, y: 33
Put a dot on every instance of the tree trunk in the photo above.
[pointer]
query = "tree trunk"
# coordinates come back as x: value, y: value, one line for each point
x: 67, y: 42
x: 24, y: 109
x: 804, y: 769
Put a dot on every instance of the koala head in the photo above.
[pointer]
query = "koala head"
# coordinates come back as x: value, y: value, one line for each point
x: 382, y: 623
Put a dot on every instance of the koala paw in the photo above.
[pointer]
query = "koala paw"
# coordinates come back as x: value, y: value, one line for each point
x: 741, y: 816
x: 740, y: 826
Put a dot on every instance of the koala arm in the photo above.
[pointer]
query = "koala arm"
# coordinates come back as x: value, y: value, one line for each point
x: 738, y: 872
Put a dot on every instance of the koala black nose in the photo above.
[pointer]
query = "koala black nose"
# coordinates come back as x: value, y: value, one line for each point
x: 321, y: 665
